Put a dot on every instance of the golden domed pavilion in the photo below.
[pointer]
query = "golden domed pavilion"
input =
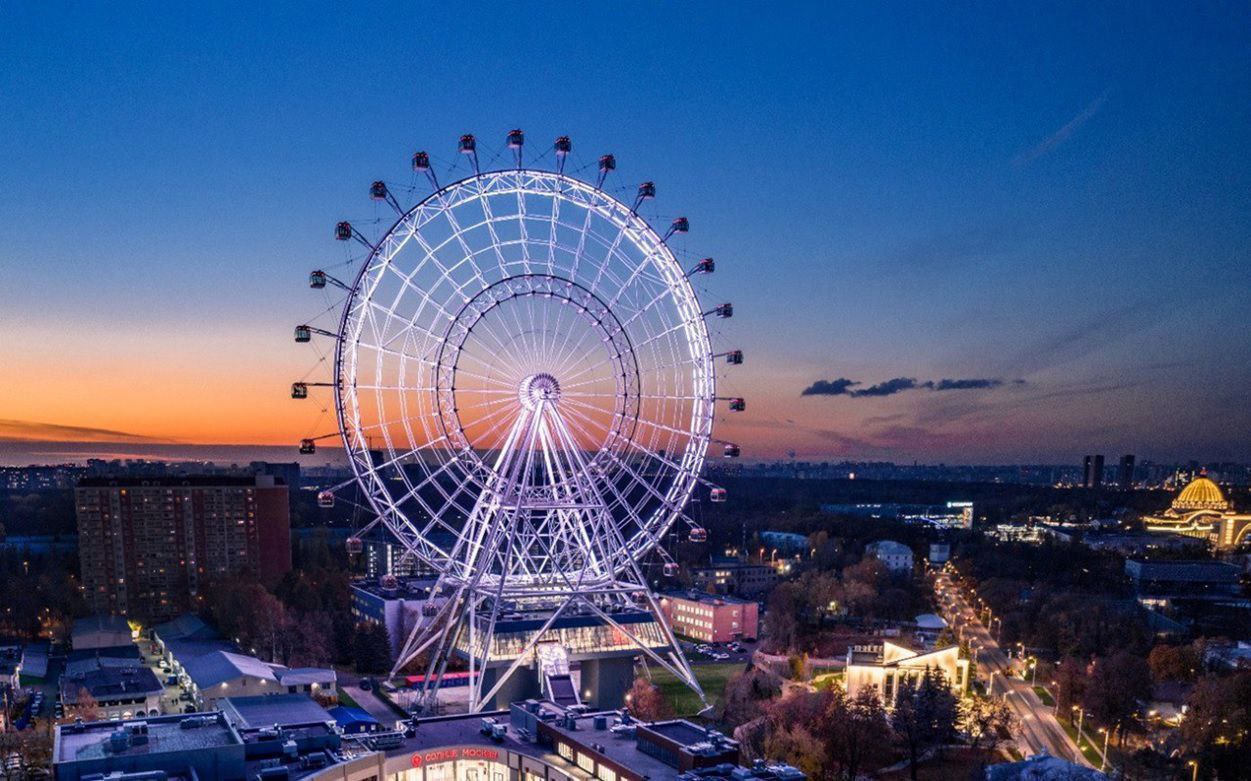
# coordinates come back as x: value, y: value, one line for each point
x: 1201, y: 510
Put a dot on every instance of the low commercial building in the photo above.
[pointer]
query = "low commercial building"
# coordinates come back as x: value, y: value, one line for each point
x: 529, y: 741
x: 712, y: 619
x: 100, y: 632
x: 395, y: 603
x: 282, y: 710
x: 1183, y: 578
x: 35, y: 661
x: 188, y: 637
x: 884, y: 666
x: 205, y: 747
x: 223, y: 674
x: 895, y: 555
x: 119, y: 692
x: 313, y: 681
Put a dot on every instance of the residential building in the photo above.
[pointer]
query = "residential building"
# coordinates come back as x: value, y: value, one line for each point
x: 733, y: 576
x: 884, y: 666
x: 895, y: 555
x: 709, y: 618
x: 1125, y: 472
x: 147, y: 545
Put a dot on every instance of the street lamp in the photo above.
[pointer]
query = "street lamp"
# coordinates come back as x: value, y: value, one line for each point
x: 1081, y: 716
x: 1103, y: 762
x: 1194, y: 766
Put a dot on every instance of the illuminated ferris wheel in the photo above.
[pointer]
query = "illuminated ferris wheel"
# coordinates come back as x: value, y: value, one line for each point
x: 525, y: 388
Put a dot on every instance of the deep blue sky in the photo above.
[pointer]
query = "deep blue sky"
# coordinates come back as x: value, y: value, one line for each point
x: 1056, y: 195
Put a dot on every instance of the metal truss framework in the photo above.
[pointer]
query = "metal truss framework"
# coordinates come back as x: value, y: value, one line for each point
x: 525, y: 389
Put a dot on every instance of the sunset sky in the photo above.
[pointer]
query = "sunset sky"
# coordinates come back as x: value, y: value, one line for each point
x: 974, y: 236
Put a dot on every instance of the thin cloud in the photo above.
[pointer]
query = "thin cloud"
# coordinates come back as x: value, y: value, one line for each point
x: 34, y: 431
x: 1063, y: 134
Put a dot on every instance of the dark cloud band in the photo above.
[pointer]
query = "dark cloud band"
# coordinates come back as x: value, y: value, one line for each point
x: 845, y: 387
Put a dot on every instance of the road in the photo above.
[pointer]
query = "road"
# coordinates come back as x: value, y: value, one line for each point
x: 1039, y: 728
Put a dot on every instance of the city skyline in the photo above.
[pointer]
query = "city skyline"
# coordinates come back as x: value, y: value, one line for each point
x: 1021, y: 250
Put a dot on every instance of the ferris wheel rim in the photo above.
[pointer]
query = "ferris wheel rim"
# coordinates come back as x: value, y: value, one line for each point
x: 686, y: 471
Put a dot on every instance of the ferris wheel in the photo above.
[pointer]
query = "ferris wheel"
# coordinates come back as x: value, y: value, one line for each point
x: 525, y: 388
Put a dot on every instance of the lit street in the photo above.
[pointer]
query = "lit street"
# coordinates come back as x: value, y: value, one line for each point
x: 1039, y: 729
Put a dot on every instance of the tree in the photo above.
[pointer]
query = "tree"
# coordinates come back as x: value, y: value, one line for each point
x: 1173, y: 663
x: 1115, y: 688
x: 1217, y: 725
x: 85, y: 706
x: 781, y: 620
x: 1070, y: 684
x: 854, y: 729
x: 800, y: 747
x: 746, y: 693
x: 984, y: 718
x: 647, y: 702
x: 925, y: 715
x: 371, y: 649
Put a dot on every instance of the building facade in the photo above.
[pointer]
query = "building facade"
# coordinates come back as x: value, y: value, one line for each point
x: 148, y: 545
x: 735, y: 577
x: 887, y: 665
x: 1202, y: 511
x: 711, y: 619
x: 895, y: 555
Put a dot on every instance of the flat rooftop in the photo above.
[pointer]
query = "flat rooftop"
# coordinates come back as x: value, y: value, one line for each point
x: 705, y: 598
x: 165, y: 734
x: 267, y: 710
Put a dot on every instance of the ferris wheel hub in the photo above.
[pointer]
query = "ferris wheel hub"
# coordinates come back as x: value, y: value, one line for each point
x: 538, y: 387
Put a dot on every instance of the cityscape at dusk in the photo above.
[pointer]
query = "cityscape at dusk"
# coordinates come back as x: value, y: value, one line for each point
x: 625, y: 392
x: 1050, y: 202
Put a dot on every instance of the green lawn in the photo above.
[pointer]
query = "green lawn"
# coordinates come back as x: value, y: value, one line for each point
x: 823, y: 682
x: 711, y: 677
x: 345, y: 699
x: 1088, y: 750
x: 1045, y: 696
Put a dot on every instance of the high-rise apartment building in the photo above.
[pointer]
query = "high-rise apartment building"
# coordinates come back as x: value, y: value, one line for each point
x: 148, y: 545
x: 1096, y: 472
x: 1086, y: 464
x: 1125, y: 472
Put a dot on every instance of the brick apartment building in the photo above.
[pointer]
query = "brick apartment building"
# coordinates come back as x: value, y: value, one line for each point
x: 147, y: 545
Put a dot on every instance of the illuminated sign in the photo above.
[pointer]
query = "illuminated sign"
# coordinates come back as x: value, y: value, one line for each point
x: 449, y: 754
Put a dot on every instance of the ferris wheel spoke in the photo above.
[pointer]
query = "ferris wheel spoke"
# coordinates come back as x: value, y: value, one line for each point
x: 503, y: 353
x: 611, y: 485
